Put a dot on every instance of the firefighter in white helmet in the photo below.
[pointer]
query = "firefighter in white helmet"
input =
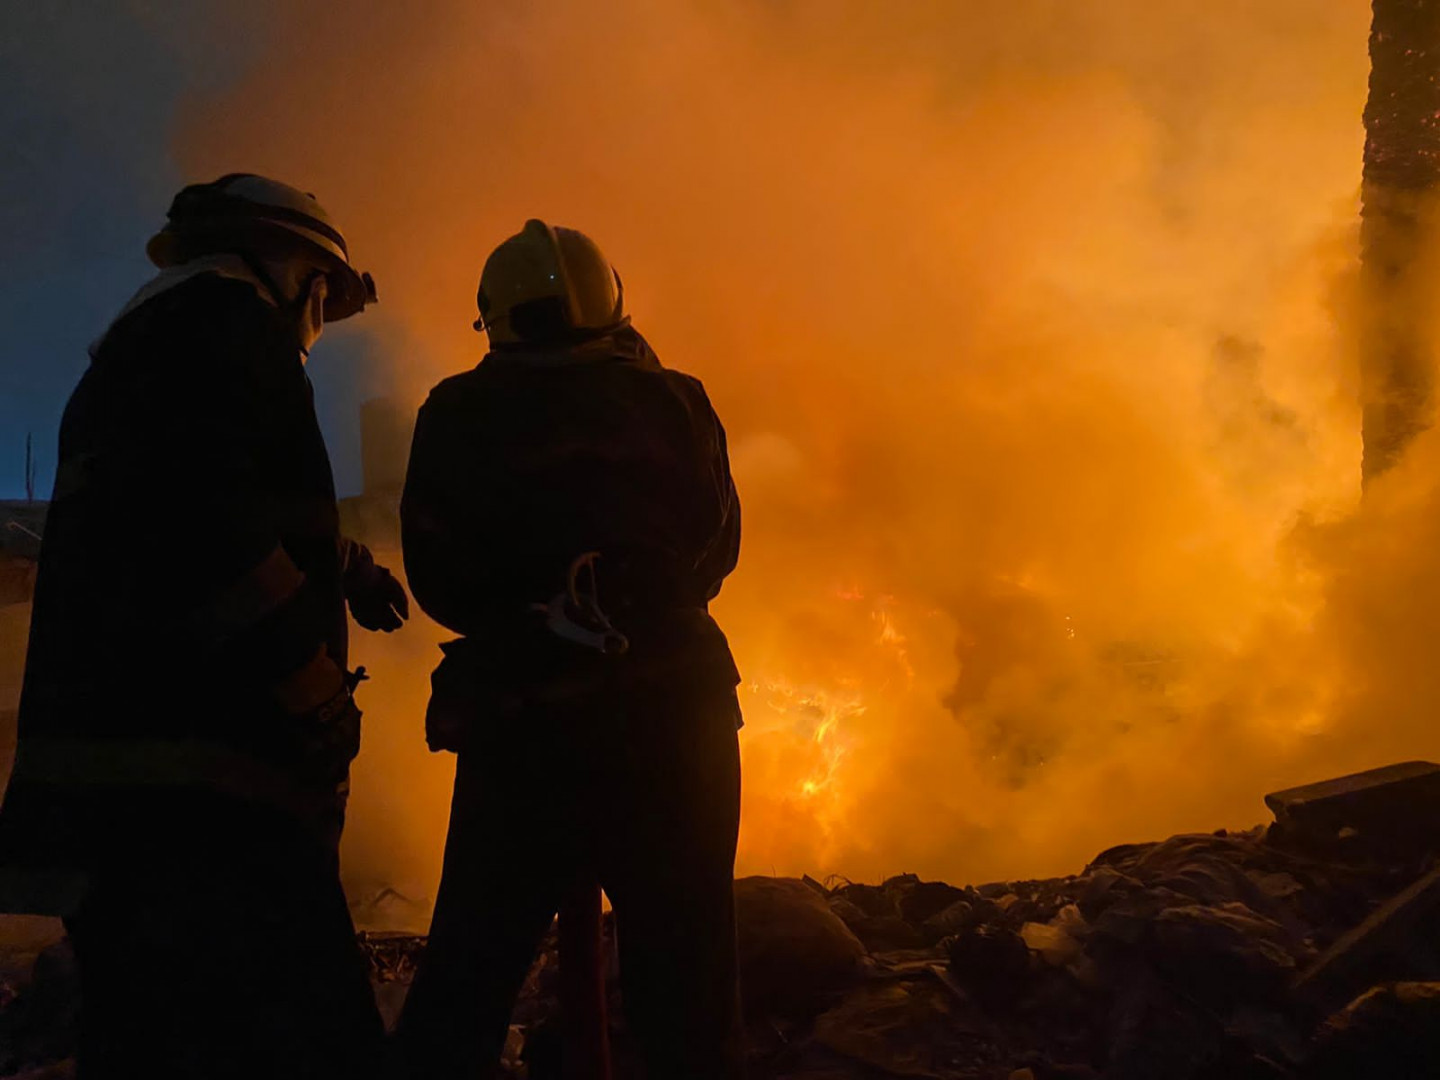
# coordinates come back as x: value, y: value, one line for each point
x: 569, y: 510
x: 186, y: 722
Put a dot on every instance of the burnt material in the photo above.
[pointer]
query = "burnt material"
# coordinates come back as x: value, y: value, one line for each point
x: 1175, y: 959
x: 1390, y: 1031
x: 1394, y: 939
x: 1396, y: 807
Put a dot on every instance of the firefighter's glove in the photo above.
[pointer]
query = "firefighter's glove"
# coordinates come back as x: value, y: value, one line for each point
x: 377, y: 600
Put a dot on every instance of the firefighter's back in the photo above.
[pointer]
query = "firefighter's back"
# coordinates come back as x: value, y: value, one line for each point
x: 186, y: 723
x: 568, y: 493
x: 615, y: 455
x: 185, y: 418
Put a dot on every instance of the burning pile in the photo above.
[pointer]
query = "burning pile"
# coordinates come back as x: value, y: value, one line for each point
x: 1031, y: 318
x: 1209, y: 956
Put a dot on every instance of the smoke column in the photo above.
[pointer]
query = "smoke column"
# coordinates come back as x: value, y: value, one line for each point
x: 1034, y: 329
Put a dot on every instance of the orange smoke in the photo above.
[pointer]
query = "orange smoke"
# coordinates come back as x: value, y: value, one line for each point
x: 1030, y: 329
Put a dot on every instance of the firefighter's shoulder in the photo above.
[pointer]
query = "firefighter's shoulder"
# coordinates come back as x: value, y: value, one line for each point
x: 460, y: 394
x: 201, y: 307
x: 206, y: 329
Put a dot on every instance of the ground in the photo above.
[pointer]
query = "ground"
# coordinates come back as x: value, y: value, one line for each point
x: 1269, y: 953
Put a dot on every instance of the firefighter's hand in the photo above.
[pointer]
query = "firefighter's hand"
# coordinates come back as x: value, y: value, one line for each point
x: 378, y: 602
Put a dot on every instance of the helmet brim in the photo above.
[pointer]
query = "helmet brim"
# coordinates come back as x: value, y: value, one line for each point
x: 348, y: 290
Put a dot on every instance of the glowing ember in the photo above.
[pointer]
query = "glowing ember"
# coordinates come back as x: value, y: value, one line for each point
x: 1019, y: 323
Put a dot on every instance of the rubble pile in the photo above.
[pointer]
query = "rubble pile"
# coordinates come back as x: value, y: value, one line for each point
x: 1308, y: 950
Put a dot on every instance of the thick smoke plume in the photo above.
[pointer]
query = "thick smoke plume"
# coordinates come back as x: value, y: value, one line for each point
x: 1032, y: 325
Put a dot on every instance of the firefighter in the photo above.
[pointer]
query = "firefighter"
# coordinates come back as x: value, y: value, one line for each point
x: 186, y: 721
x: 569, y: 510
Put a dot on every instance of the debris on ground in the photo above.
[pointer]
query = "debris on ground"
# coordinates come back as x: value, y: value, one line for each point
x: 796, y: 952
x: 1308, y: 950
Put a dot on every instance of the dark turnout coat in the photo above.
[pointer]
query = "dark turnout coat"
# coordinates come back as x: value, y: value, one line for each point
x: 188, y: 644
x: 534, y: 458
x: 576, y: 764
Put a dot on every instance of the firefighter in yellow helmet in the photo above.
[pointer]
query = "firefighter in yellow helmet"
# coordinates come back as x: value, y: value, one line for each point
x: 186, y: 722
x: 548, y: 286
x: 569, y: 511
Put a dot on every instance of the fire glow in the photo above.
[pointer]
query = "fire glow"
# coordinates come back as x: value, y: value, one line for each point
x: 1031, y: 328
x: 815, y: 716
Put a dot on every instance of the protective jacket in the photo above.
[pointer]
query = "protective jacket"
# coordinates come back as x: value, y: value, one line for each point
x: 188, y: 642
x: 535, y: 458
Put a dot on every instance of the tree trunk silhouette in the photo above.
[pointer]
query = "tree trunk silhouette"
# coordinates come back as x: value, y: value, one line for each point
x: 1398, y: 227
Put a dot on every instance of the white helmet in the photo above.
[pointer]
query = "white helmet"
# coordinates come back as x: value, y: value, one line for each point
x: 257, y: 215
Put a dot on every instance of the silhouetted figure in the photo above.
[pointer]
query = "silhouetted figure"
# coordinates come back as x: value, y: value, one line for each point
x: 569, y: 510
x: 186, y: 723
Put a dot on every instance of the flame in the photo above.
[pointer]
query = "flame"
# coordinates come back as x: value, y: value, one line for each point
x: 1034, y: 347
x: 826, y: 715
x: 812, y: 713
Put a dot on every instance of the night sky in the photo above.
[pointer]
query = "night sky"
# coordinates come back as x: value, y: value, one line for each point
x: 88, y: 96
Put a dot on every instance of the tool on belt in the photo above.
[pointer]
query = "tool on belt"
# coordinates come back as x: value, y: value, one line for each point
x: 574, y: 613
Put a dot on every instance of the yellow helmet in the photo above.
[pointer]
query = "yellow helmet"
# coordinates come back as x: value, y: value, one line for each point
x: 548, y: 285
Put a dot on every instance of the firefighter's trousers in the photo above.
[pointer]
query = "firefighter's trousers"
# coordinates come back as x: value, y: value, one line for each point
x: 642, y: 790
x: 233, y: 956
